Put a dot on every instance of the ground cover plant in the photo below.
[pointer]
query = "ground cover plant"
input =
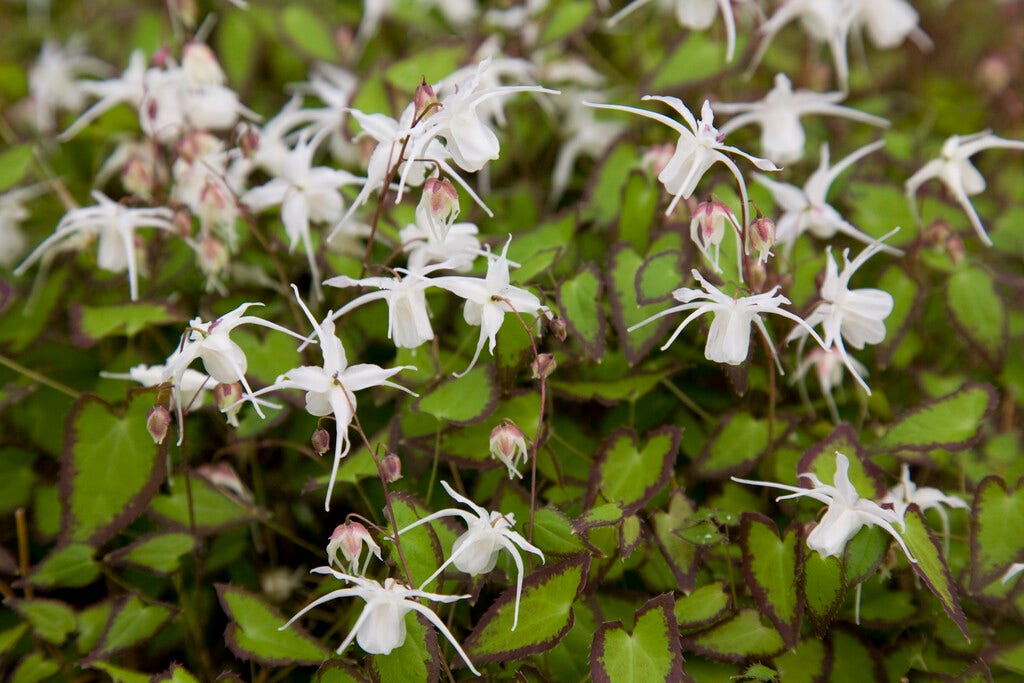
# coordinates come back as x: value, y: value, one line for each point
x: 401, y: 341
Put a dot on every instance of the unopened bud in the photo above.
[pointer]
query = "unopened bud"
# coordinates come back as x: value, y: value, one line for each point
x: 761, y: 238
x: 558, y: 328
x: 223, y: 475
x: 656, y: 157
x: 137, y: 177
x: 758, y: 276
x: 200, y: 65
x: 424, y: 100
x: 248, y: 140
x: 936, y: 233
x: 183, y: 223
x: 994, y: 74
x: 955, y: 249
x: 228, y: 398
x: 438, y: 207
x: 349, y: 539
x: 213, y: 256
x: 508, y: 445
x: 321, y: 440
x: 543, y: 365
x: 707, y: 228
x: 160, y: 57
x: 216, y: 206
x: 391, y: 468
x: 157, y: 422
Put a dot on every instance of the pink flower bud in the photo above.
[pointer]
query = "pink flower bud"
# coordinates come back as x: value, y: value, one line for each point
x: 183, y: 223
x: 228, y: 398
x: 955, y: 249
x: 424, y: 100
x: 657, y: 157
x: 438, y: 207
x: 160, y: 57
x: 543, y: 365
x: 508, y: 444
x: 223, y: 475
x: 213, y: 256
x: 707, y: 228
x: 321, y: 440
x: 248, y: 140
x: 349, y: 539
x: 761, y: 238
x: 200, y: 65
x: 558, y: 328
x: 157, y: 422
x: 391, y: 467
x: 137, y: 177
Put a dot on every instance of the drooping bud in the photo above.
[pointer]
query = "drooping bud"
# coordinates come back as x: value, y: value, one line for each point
x: 391, y: 468
x: 758, y: 276
x: 543, y: 365
x: 213, y: 256
x: 182, y: 223
x: 321, y: 440
x: 438, y: 207
x: 761, y: 238
x: 137, y: 177
x: 160, y: 57
x: 707, y: 228
x: 157, y: 422
x: 349, y: 539
x: 228, y: 397
x: 247, y: 140
x: 216, y: 205
x: 657, y: 157
x: 508, y: 444
x: 223, y: 475
x: 558, y: 328
x: 201, y: 66
x: 955, y: 249
x: 424, y: 100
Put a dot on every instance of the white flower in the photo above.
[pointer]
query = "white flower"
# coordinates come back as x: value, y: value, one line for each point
x: 694, y: 14
x: 114, y: 225
x: 458, y: 249
x: 808, y: 210
x: 828, y: 365
x: 192, y: 386
x: 698, y: 149
x: 585, y: 135
x: 380, y: 627
x: 489, y: 299
x: 850, y: 316
x: 958, y: 174
x: 729, y: 336
x: 847, y: 512
x: 12, y: 213
x: 52, y: 81
x: 907, y: 493
x: 778, y: 114
x: 330, y: 389
x: 128, y: 88
x: 888, y: 23
x: 476, y: 551
x: 827, y: 21
x: 305, y: 195
x: 405, y: 294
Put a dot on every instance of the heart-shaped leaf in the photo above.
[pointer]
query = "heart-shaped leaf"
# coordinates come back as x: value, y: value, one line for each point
x: 996, y: 520
x: 579, y: 298
x: 931, y: 565
x: 772, y: 567
x: 649, y: 653
x: 951, y: 422
x: 131, y: 622
x: 626, y: 474
x: 741, y: 637
x: 253, y: 633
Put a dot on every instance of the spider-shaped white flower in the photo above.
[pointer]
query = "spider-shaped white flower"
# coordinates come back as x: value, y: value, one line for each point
x: 853, y: 316
x: 807, y: 209
x: 778, y: 114
x: 192, y: 386
x: 825, y: 21
x: 114, y: 225
x: 53, y: 84
x: 488, y: 299
x: 12, y: 213
x: 330, y: 389
x: 380, y: 627
x: 847, y: 512
x: 692, y: 14
x: 700, y: 146
x: 476, y: 551
x: 729, y: 336
x: 958, y: 174
x: 128, y: 88
x: 828, y: 366
x: 907, y: 493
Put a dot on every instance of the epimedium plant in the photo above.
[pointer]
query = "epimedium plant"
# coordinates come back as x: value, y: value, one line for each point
x: 519, y: 278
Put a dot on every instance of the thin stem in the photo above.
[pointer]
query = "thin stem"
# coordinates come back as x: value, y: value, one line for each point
x: 433, y: 465
x: 42, y: 379
x: 381, y: 196
x: 687, y: 401
x: 23, y: 558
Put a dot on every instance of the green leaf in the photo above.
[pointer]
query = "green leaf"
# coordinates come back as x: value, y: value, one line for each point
x: 92, y: 323
x: 175, y: 674
x: 553, y: 534
x: 545, y: 615
x: 119, y: 674
x: 803, y: 664
x: 422, y: 546
x: 626, y: 474
x: 624, y: 264
x: 566, y: 19
x: 462, y: 400
x: 650, y: 653
x: 14, y: 164
x: 853, y: 661
x: 741, y: 637
x: 70, y: 566
x: 92, y: 621
x: 417, y: 659
x: 308, y: 32
x: 611, y: 391
x: 10, y: 637
x: 639, y: 205
x: 931, y: 566
x: 160, y: 553
x: 579, y: 299
x: 772, y: 568
x: 236, y: 43
x: 432, y: 64
x: 131, y: 622
x: 34, y: 667
x: 51, y: 620
x: 696, y: 58
x: 113, y: 454
x: 680, y: 554
x: 606, y: 198
x: 703, y: 607
x: 952, y: 422
x: 736, y: 447
x: 253, y: 633
x: 211, y: 510
x: 823, y: 590
x: 996, y: 542
x: 340, y: 672
x: 863, y: 554
x: 977, y: 311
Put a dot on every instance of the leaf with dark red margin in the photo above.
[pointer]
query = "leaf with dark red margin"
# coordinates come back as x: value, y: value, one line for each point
x: 159, y: 552
x: 823, y: 590
x: 416, y: 659
x: 462, y: 400
x: 176, y: 673
x: 132, y: 621
x: 931, y: 565
x: 773, y: 570
x: 847, y: 646
x: 545, y: 615
x: 631, y: 533
x: 100, y: 441
x: 734, y: 448
x: 623, y: 264
x: 978, y: 312
x: 997, y: 517
x: 681, y: 555
x: 579, y: 299
x: 703, y: 607
x: 253, y: 633
x: 650, y: 652
x: 653, y: 273
x: 629, y: 475
x: 212, y: 510
x: 820, y: 459
x: 952, y: 422
x: 743, y: 636
x: 336, y: 671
